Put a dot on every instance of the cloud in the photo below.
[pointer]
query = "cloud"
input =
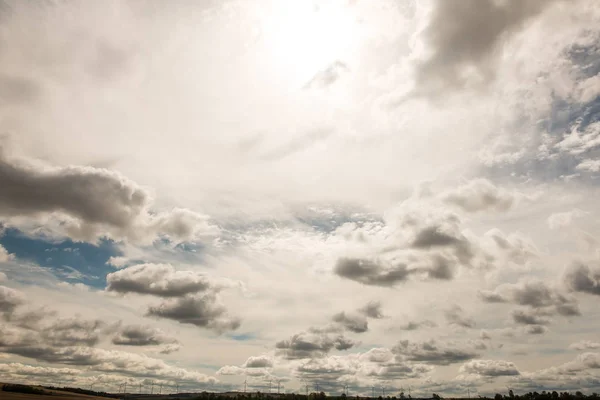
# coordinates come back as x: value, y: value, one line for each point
x: 328, y: 76
x: 110, y: 361
x: 10, y: 299
x: 372, y: 310
x: 161, y: 280
x: 4, y: 256
x: 312, y: 344
x: 140, y: 335
x: 489, y: 368
x: 564, y: 219
x: 463, y: 39
x: 529, y: 317
x: 118, y: 262
x: 190, y: 297
x: 370, y: 272
x: 415, y: 325
x: 258, y: 362
x: 589, y: 165
x: 582, y: 277
x: 541, y: 300
x: 354, y: 323
x: 199, y: 310
x: 536, y: 329
x: 23, y: 370
x: 72, y: 332
x: 455, y: 316
x: 433, y: 352
x: 93, y: 202
x: 488, y: 296
x: 479, y: 195
x: 585, y: 345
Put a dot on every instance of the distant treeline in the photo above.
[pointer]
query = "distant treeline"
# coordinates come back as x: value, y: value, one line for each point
x: 16, y: 388
x: 544, y: 395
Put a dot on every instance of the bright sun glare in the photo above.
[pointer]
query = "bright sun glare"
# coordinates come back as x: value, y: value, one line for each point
x: 304, y: 39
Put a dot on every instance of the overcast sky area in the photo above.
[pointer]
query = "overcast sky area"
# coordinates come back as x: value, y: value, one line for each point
x: 389, y: 194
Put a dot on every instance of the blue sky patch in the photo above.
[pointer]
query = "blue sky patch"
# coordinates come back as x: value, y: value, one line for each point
x: 69, y: 261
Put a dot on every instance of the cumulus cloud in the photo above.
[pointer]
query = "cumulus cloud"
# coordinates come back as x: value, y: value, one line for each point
x: 589, y: 165
x: 585, y: 345
x: 582, y: 277
x: 455, y: 316
x: 433, y: 352
x: 4, y: 256
x: 157, y: 279
x: 200, y: 310
x: 190, y: 297
x: 72, y: 332
x: 539, y: 299
x: 93, y: 201
x: 372, y: 310
x: 489, y: 368
x: 140, y: 335
x: 414, y: 325
x: 352, y: 322
x: 480, y: 195
x: 258, y: 362
x: 10, y: 299
x: 529, y: 317
x: 312, y: 344
x: 489, y: 296
x: 370, y: 272
x: 463, y: 38
x: 424, y: 239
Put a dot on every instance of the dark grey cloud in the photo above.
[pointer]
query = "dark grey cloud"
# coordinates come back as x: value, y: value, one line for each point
x: 582, y: 277
x: 433, y: 352
x: 533, y: 294
x: 372, y: 310
x: 10, y: 299
x: 72, y: 332
x: 101, y: 201
x: 415, y: 325
x: 456, y: 316
x: 491, y: 368
x: 463, y: 37
x: 157, y: 279
x: 140, y: 335
x: 312, y: 345
x: 488, y: 296
x: 536, y: 329
x: 433, y: 236
x: 370, y: 272
x: 199, y: 310
x: 328, y: 76
x: 97, y: 196
x: 529, y: 317
x: 352, y: 322
x: 541, y: 301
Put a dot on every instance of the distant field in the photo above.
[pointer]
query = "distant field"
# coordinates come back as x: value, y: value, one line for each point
x: 53, y: 395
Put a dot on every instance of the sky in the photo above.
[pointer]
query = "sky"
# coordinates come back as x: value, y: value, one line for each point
x: 373, y: 195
